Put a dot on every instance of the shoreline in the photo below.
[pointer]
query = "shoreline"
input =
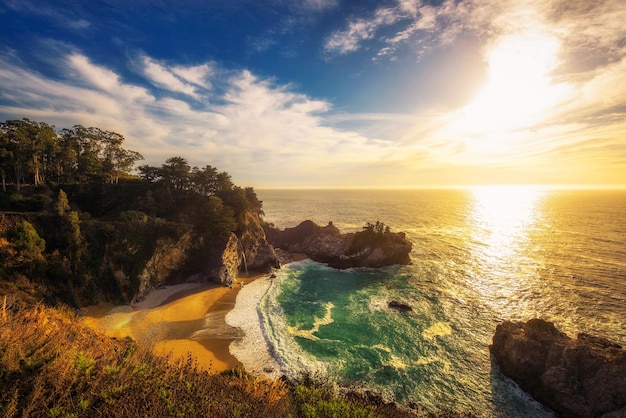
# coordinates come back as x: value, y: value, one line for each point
x: 253, y: 348
x: 179, y: 319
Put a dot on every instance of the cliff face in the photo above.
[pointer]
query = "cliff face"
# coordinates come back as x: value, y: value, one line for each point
x: 169, y: 255
x: 199, y: 259
x: 327, y: 245
x: 583, y: 377
x: 259, y: 255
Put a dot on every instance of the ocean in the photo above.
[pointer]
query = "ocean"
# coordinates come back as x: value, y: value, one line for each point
x: 480, y: 256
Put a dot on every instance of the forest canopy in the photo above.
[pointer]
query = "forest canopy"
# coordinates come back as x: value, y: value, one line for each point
x: 72, y: 208
x: 35, y: 153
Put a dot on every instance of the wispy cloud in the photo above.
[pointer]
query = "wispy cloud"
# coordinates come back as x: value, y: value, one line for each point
x: 257, y: 131
x: 167, y: 78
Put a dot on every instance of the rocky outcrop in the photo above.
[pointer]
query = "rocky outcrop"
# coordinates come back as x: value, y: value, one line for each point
x: 583, y: 377
x: 327, y: 245
x: 259, y: 254
x: 168, y: 256
x: 223, y: 267
x: 193, y: 258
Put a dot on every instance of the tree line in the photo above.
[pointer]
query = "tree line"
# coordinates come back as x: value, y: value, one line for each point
x: 36, y: 153
x: 86, y: 216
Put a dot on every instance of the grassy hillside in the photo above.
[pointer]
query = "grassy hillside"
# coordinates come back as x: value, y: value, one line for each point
x: 53, y: 365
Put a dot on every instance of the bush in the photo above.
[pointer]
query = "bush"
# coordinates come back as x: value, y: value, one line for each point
x: 134, y: 216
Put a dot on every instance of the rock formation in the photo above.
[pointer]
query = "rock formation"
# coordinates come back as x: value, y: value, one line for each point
x: 327, y: 245
x: 585, y: 377
x: 259, y: 255
x: 168, y: 257
x: 198, y: 259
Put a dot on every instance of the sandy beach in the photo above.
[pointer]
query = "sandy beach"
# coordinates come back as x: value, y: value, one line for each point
x: 252, y: 349
x: 180, y: 319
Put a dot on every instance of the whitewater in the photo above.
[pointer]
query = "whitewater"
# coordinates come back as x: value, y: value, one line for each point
x: 480, y: 256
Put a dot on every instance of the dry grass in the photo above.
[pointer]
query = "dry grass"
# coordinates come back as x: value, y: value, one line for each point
x: 52, y: 365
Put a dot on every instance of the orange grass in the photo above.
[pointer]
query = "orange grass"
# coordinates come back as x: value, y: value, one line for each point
x: 53, y: 365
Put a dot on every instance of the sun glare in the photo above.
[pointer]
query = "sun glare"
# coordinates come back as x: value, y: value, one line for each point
x: 502, y: 216
x: 517, y: 93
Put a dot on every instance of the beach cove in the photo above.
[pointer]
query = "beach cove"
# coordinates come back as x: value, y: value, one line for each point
x: 190, y: 319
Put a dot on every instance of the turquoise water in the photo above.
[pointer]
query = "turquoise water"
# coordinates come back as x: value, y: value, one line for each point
x: 479, y: 257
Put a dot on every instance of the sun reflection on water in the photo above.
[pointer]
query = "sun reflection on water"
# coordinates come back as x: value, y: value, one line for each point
x: 502, y: 215
x: 502, y: 219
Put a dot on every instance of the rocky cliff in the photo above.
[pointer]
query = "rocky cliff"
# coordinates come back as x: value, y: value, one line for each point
x: 259, y: 255
x: 191, y: 258
x: 582, y: 377
x: 328, y: 245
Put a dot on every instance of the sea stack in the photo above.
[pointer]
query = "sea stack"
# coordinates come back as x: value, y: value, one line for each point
x: 373, y: 247
x: 583, y: 377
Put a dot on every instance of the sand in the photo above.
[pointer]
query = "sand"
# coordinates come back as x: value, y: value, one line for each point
x: 253, y: 350
x: 177, y: 320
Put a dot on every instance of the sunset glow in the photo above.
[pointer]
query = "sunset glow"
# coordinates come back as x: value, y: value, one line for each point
x: 336, y: 94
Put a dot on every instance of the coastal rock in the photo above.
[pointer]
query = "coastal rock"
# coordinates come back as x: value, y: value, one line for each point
x: 168, y: 256
x: 225, y: 268
x: 327, y: 245
x: 583, y: 377
x: 259, y: 254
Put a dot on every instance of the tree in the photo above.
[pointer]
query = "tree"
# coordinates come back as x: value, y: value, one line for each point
x: 175, y: 173
x: 62, y: 204
x: 28, y: 245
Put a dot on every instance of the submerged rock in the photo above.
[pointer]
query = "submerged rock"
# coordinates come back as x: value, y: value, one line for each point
x: 327, y: 245
x: 583, y: 377
x: 400, y: 306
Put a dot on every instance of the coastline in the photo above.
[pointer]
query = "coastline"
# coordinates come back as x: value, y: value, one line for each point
x: 177, y: 320
x: 253, y: 349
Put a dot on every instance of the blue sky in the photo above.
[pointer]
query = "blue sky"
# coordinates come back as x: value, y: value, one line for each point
x: 331, y: 93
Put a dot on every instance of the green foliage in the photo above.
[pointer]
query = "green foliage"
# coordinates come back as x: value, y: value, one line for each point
x: 23, y: 247
x: 134, y: 216
x: 62, y: 204
x: 34, y: 153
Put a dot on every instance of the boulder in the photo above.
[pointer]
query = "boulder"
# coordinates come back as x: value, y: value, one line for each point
x: 582, y: 377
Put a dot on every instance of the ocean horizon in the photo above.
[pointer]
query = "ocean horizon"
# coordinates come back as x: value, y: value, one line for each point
x: 480, y: 256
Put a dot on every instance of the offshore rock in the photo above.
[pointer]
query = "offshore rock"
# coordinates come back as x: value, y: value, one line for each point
x: 328, y: 245
x: 583, y: 377
x: 400, y: 306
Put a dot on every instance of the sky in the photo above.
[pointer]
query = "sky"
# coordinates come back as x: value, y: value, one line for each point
x: 333, y: 93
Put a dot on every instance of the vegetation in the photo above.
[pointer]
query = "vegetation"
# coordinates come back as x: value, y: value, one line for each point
x: 34, y: 153
x: 53, y: 365
x: 73, y: 191
x: 72, y: 217
x: 372, y: 234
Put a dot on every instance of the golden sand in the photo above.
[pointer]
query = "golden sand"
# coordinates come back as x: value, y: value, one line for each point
x: 177, y: 321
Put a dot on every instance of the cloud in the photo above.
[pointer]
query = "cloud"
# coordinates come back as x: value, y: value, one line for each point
x: 248, y: 126
x: 198, y: 75
x: 167, y: 78
x: 350, y: 39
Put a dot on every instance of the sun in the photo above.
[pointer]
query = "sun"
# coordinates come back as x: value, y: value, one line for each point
x: 519, y: 88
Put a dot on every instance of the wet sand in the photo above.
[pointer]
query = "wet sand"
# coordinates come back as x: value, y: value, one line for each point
x: 253, y: 349
x: 177, y: 320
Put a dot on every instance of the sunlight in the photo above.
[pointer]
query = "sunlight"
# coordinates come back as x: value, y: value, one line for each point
x: 503, y: 215
x: 518, y: 92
